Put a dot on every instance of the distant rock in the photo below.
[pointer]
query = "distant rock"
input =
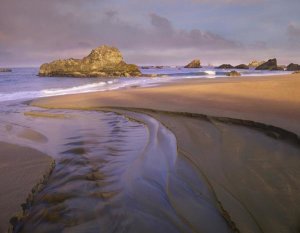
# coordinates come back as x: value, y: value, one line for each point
x: 194, y: 64
x: 103, y: 61
x: 5, y: 70
x: 255, y: 64
x: 151, y: 67
x: 293, y: 67
x: 225, y: 66
x: 242, y: 67
x: 269, y: 65
x: 233, y: 74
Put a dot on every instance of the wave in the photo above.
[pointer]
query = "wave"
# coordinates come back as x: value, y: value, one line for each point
x: 210, y: 72
x: 59, y: 91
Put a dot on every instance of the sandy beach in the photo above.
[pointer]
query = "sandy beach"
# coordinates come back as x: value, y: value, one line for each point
x: 21, y: 169
x: 241, y: 134
x: 271, y: 100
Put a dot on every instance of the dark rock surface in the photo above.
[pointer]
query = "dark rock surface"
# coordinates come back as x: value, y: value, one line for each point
x: 293, y: 67
x: 242, y: 67
x: 5, y: 70
x: 233, y: 74
x: 225, y: 66
x: 269, y: 65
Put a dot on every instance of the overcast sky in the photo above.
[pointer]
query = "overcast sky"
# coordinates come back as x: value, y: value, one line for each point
x: 170, y: 32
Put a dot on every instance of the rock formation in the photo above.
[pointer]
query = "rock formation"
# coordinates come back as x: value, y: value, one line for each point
x: 225, y: 66
x: 269, y: 65
x: 242, y: 67
x: 103, y: 61
x: 233, y: 74
x: 5, y: 70
x: 255, y: 64
x: 194, y: 64
x: 293, y: 67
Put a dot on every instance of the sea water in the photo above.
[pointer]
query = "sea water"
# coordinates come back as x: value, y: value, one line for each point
x: 24, y: 84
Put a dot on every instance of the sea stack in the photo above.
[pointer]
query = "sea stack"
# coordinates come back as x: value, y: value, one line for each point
x: 103, y: 61
x: 293, y: 67
x: 194, y: 64
x: 269, y: 65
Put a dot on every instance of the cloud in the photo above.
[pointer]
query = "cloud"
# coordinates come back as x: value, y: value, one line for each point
x: 293, y: 32
x: 35, y: 31
x: 65, y: 29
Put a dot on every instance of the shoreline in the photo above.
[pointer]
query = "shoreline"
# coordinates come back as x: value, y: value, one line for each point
x: 269, y: 100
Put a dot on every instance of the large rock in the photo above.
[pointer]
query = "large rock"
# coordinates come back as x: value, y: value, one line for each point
x: 5, y: 70
x: 225, y: 66
x: 103, y: 61
x: 194, y: 64
x: 269, y: 65
x: 242, y: 67
x: 293, y: 67
x: 255, y: 63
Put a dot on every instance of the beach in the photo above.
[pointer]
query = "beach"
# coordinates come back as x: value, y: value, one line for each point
x: 21, y: 169
x: 240, y: 134
x: 192, y: 155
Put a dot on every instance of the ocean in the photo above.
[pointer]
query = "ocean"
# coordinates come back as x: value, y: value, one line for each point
x: 24, y: 84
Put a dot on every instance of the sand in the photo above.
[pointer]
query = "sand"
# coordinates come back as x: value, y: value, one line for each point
x: 272, y: 100
x: 242, y: 135
x: 21, y: 168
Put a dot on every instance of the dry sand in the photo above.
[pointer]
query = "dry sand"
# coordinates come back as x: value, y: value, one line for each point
x: 271, y: 100
x: 21, y: 168
x: 251, y: 164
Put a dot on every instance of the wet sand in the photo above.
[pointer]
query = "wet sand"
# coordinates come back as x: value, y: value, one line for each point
x: 241, y: 135
x: 21, y: 168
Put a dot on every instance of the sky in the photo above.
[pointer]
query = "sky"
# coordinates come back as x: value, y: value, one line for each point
x: 150, y: 32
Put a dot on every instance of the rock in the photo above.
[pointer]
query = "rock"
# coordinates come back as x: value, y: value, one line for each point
x: 293, y: 67
x: 233, y: 74
x: 194, y: 64
x: 151, y: 67
x: 225, y: 66
x: 103, y: 61
x: 5, y: 70
x: 255, y: 64
x: 242, y: 67
x: 269, y: 65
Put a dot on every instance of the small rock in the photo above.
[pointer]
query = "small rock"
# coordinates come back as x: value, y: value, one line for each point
x: 293, y: 67
x: 233, y: 74
x: 225, y: 66
x: 194, y: 64
x: 5, y: 70
x: 242, y: 67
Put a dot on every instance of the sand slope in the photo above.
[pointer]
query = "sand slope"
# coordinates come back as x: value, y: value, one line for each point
x: 20, y: 169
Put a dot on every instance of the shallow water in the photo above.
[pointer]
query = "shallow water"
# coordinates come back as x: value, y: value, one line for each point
x: 112, y: 175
